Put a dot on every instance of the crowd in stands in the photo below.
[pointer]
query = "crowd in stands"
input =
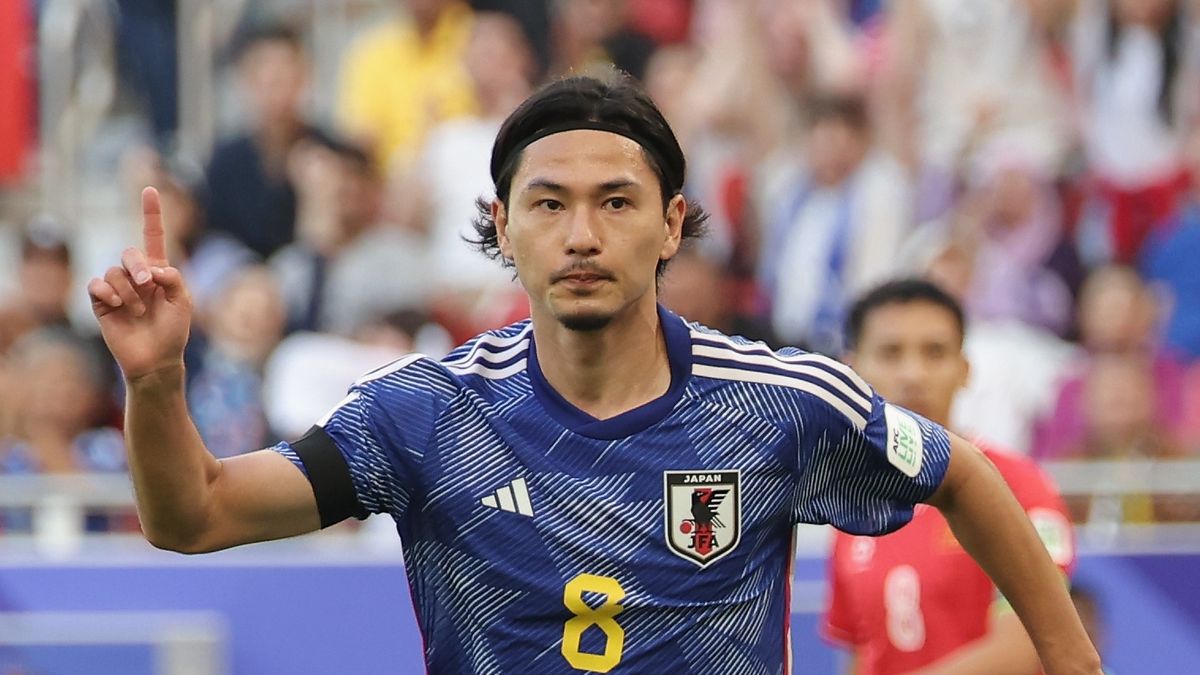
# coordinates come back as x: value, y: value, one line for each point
x: 1040, y: 159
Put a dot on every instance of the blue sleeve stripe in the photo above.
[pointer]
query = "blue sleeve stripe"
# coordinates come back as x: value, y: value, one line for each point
x: 810, y: 378
x: 388, y: 369
x: 852, y: 413
x: 490, y: 372
x: 834, y: 368
x: 767, y: 364
x: 494, y: 360
x: 489, y: 342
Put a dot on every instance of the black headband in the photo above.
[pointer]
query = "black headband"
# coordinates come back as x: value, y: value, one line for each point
x: 501, y: 164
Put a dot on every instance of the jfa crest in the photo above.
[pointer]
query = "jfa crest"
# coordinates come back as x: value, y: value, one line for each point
x: 704, y: 515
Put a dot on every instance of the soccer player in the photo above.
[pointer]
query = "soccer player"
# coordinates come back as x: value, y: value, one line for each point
x: 603, y: 487
x: 914, y: 601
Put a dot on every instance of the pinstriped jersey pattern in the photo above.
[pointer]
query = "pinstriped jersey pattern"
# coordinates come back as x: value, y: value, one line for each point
x: 426, y: 440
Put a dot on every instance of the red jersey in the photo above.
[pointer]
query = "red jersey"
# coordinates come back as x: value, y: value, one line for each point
x: 907, y: 599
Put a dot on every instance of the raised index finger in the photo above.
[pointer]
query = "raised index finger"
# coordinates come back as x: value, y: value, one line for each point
x: 153, y: 235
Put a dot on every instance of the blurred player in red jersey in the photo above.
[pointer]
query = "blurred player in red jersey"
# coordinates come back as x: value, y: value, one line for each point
x: 914, y: 601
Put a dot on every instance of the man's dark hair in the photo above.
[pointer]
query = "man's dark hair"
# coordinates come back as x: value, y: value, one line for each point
x: 617, y: 103
x: 347, y: 149
x: 900, y: 292
x: 265, y: 33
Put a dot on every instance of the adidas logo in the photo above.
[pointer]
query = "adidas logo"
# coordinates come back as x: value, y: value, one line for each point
x: 513, y: 498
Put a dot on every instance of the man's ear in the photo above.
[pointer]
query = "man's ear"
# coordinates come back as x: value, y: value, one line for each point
x: 500, y: 218
x: 673, y: 227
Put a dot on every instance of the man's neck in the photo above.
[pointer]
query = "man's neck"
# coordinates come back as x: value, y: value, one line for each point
x: 609, y: 371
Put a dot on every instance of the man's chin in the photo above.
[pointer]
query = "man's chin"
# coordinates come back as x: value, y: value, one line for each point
x: 585, y: 322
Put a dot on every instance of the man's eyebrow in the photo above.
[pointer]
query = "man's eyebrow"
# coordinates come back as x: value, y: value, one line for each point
x: 617, y: 184
x: 544, y: 184
x: 603, y: 188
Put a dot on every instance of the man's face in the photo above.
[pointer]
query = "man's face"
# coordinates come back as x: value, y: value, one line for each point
x: 497, y: 52
x: 835, y: 149
x: 585, y: 226
x: 46, y: 286
x: 275, y: 76
x: 911, y: 353
x: 359, y: 195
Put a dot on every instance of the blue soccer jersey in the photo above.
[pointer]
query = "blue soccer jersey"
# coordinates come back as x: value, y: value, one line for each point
x: 539, y: 539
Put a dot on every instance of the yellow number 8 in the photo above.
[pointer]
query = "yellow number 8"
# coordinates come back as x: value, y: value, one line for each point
x: 600, y: 617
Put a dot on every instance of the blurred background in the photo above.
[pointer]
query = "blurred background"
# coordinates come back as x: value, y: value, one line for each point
x: 319, y: 161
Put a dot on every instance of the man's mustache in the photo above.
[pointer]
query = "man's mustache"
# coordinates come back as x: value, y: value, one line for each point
x: 582, y: 268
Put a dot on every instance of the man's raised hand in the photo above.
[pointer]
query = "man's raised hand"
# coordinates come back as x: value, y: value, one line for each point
x: 143, y: 306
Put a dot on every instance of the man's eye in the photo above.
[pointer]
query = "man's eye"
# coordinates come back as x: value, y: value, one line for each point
x: 548, y: 205
x: 617, y: 203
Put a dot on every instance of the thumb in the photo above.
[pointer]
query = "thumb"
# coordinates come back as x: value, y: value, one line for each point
x: 171, y: 281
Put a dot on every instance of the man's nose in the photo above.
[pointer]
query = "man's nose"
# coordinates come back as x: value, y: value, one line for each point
x: 583, y: 233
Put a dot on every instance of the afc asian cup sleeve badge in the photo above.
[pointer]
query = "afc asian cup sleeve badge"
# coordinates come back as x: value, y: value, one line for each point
x: 703, y: 513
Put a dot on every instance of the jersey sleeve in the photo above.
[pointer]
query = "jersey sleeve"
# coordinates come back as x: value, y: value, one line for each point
x: 838, y: 625
x: 365, y: 455
x: 865, y: 463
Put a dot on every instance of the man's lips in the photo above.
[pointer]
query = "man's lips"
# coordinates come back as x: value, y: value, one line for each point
x: 582, y: 276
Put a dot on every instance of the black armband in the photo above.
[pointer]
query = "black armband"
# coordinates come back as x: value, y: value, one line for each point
x: 330, y: 477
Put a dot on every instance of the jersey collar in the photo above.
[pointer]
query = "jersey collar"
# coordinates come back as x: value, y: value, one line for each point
x: 679, y: 354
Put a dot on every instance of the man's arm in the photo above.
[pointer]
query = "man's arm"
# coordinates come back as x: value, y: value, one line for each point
x: 189, y: 501
x: 991, y: 525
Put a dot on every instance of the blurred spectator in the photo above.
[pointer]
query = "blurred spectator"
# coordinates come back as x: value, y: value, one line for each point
x: 534, y: 18
x: 1119, y: 409
x: 1015, y: 371
x: 958, y: 72
x: 1007, y: 231
x: 404, y: 76
x: 1169, y: 259
x: 587, y: 33
x: 452, y: 172
x: 243, y: 325
x: 737, y: 101
x: 43, y: 287
x: 309, y: 372
x: 37, y: 302
x: 59, y: 399
x: 834, y: 228
x: 346, y: 266
x: 810, y: 46
x: 1136, y: 97
x: 249, y: 195
x: 1118, y: 316
x: 1016, y: 366
x: 61, y: 408
x: 148, y: 54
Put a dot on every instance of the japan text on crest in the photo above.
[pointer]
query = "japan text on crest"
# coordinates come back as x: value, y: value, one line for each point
x: 703, y: 513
